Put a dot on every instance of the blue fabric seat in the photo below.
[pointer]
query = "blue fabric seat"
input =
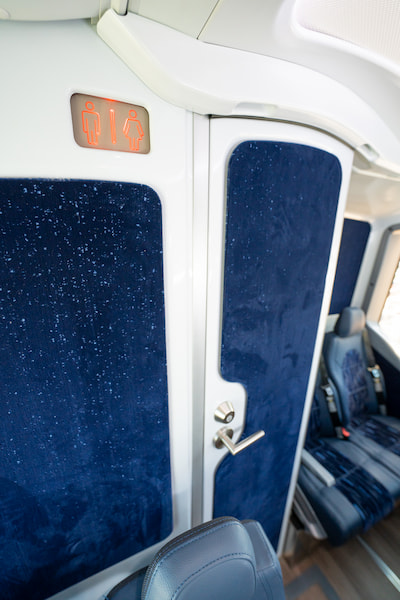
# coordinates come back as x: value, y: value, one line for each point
x: 223, y: 558
x: 346, y: 361
x: 360, y: 491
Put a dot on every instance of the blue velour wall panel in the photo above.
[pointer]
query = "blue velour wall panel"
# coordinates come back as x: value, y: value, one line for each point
x: 281, y: 208
x: 354, y: 240
x: 84, y: 465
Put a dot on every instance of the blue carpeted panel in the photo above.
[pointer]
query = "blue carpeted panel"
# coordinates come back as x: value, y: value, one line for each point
x: 84, y: 468
x: 281, y: 208
x: 354, y: 240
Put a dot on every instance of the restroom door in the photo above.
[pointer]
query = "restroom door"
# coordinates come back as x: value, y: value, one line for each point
x: 277, y: 195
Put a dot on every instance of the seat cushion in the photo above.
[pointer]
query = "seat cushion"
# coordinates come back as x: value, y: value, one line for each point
x: 364, y: 491
x: 374, y: 468
x: 385, y: 431
x: 338, y: 516
x: 379, y: 437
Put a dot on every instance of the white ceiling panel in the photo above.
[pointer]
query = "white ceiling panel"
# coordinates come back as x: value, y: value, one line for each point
x: 49, y: 10
x: 187, y: 16
x: 370, y: 24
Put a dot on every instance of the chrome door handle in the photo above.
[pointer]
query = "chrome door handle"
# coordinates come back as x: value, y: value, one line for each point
x: 224, y: 436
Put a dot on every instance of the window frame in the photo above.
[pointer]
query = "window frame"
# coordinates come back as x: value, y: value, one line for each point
x: 380, y: 283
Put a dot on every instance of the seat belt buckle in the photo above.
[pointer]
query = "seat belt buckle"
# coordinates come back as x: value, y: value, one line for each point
x: 377, y: 378
x: 329, y: 397
x: 345, y: 433
x: 327, y: 389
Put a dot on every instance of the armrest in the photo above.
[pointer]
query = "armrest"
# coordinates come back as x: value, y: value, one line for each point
x: 317, y: 469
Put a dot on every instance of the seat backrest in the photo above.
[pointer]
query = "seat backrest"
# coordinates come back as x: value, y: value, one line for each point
x: 223, y: 558
x: 346, y: 363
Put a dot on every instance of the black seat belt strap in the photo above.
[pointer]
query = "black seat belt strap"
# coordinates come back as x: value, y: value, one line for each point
x: 327, y: 388
x: 376, y: 374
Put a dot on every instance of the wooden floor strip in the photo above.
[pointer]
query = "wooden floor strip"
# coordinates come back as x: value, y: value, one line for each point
x: 386, y: 570
x: 311, y: 585
x: 349, y: 569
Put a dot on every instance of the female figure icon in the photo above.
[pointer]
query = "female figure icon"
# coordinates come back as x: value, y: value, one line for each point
x: 133, y: 131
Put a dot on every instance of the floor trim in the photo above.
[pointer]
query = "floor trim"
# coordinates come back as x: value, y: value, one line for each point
x: 387, y: 571
x: 313, y: 576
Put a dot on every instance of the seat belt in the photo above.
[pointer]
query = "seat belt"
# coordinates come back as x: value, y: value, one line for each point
x: 375, y: 371
x: 326, y: 387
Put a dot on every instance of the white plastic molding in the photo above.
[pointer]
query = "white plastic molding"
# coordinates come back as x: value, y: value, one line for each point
x: 209, y: 79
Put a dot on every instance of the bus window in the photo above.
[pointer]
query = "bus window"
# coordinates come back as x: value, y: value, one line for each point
x: 389, y: 321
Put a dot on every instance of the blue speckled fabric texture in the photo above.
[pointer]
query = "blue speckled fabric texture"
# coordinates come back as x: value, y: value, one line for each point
x: 85, y: 466
x: 352, y: 246
x: 281, y: 208
x: 355, y: 380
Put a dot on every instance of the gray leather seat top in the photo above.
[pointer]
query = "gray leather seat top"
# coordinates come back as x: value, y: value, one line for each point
x: 223, y: 558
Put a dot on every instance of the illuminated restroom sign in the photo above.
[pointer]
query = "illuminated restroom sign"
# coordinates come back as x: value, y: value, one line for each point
x: 110, y: 125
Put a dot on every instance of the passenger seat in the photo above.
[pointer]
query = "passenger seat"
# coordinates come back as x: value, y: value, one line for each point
x: 345, y: 487
x: 223, y: 558
x: 346, y: 359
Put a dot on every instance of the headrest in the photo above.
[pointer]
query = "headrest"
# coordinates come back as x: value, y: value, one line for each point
x: 215, y: 560
x: 350, y: 322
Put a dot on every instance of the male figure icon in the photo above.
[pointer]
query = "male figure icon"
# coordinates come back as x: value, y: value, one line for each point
x: 91, y: 123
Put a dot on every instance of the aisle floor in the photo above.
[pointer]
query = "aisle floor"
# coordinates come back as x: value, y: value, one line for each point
x: 318, y: 571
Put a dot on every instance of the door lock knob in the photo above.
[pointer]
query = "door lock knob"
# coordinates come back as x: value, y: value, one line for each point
x: 224, y: 413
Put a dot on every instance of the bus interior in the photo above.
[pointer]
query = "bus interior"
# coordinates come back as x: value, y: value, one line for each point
x: 200, y: 299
